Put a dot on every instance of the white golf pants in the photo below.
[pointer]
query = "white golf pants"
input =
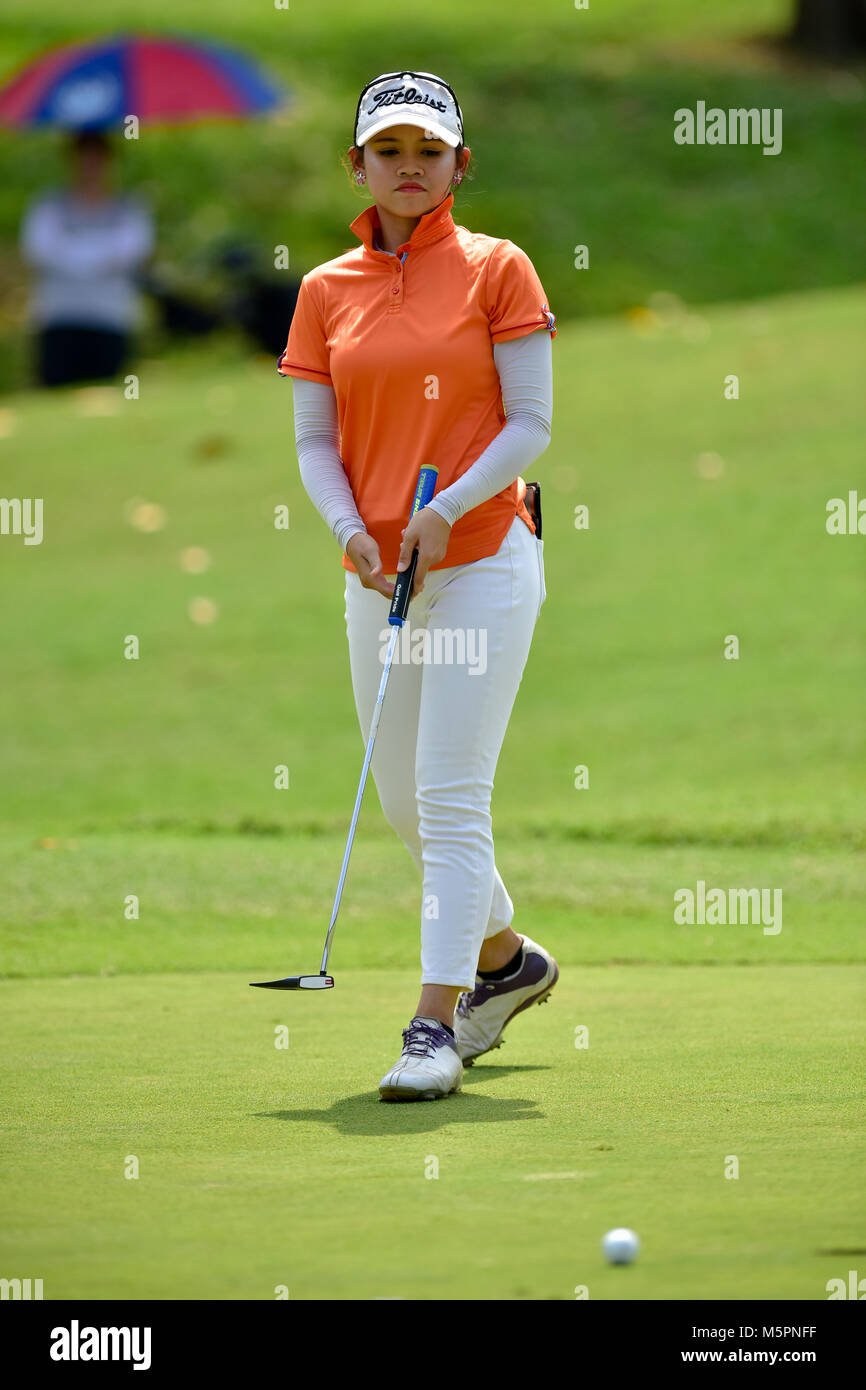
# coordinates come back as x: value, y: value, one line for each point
x: 457, y: 668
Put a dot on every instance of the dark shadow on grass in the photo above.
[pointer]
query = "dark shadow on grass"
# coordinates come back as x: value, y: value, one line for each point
x: 367, y: 1114
x: 490, y: 1071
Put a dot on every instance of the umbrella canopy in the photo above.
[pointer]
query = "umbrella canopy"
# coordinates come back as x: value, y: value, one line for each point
x: 162, y: 79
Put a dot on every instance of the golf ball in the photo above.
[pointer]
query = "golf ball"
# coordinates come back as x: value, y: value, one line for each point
x: 620, y: 1246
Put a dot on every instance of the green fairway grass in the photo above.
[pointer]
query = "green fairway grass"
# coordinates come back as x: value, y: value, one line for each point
x: 139, y: 1035
x: 257, y: 904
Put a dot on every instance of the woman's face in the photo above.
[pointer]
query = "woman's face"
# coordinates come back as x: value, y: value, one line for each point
x: 408, y: 175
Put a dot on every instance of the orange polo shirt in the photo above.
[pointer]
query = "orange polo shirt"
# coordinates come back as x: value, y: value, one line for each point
x: 406, y: 341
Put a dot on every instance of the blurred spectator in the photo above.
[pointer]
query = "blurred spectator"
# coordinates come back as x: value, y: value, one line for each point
x: 254, y: 296
x: 262, y: 302
x: 830, y: 28
x: 86, y: 245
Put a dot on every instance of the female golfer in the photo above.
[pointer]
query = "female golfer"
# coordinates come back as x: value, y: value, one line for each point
x: 431, y: 344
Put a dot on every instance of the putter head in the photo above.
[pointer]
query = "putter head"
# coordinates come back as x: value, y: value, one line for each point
x: 297, y: 982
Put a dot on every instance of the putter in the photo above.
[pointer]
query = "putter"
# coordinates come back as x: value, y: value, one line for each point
x: 397, y: 616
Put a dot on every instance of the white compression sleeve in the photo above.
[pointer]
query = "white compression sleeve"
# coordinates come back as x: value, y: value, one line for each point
x: 317, y: 440
x: 525, y: 370
x: 526, y: 375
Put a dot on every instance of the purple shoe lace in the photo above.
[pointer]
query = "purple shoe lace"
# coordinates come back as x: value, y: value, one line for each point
x: 420, y: 1038
x: 470, y: 998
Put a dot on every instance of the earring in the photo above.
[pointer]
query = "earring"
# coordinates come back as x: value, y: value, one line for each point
x: 456, y: 178
x: 360, y: 176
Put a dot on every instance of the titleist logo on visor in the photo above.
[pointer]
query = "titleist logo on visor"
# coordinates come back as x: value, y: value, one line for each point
x: 401, y: 96
x: 409, y: 98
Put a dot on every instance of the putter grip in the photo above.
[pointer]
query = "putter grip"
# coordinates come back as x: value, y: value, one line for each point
x: 424, y: 490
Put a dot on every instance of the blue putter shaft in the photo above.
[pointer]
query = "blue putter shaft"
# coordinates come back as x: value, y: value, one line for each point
x: 424, y: 490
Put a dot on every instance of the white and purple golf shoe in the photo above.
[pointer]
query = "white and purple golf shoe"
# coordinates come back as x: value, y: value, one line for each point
x: 483, y: 1012
x: 429, y: 1065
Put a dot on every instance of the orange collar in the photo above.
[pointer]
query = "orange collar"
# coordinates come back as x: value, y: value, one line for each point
x: 432, y: 226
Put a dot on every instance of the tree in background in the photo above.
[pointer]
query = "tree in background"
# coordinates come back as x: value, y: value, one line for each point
x: 830, y: 28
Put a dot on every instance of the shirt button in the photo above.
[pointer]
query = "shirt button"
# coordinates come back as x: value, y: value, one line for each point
x: 396, y: 289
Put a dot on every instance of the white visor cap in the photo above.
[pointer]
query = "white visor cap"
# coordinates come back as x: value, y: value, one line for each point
x: 409, y: 98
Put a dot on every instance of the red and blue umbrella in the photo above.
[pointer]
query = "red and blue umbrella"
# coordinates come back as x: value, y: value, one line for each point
x: 161, y: 79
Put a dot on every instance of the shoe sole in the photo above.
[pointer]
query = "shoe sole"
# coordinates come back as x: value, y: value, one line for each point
x: 403, y: 1093
x: 527, y: 1004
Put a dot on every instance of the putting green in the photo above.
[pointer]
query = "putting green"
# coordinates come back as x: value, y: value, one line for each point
x: 260, y: 1166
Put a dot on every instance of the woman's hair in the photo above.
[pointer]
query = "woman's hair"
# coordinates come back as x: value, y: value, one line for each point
x: 81, y: 140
